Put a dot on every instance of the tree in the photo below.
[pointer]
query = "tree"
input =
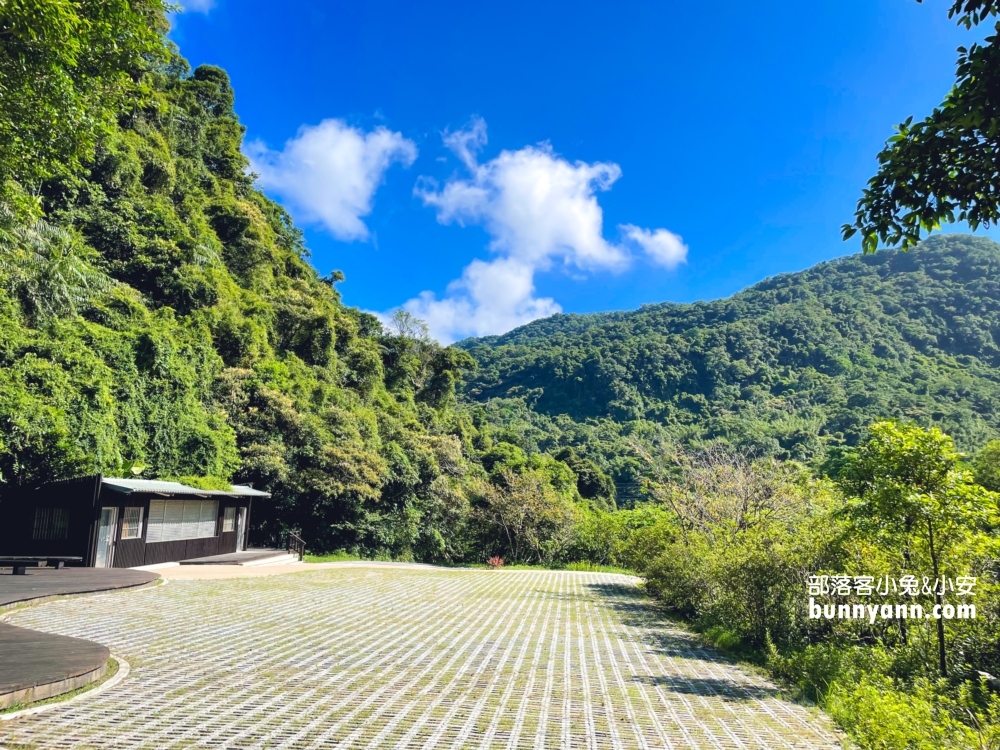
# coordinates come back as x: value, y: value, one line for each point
x: 46, y: 268
x: 987, y: 466
x: 722, y: 492
x: 68, y: 70
x: 943, y: 168
x: 406, y: 325
x: 909, y: 490
x: 529, y: 519
x: 591, y: 482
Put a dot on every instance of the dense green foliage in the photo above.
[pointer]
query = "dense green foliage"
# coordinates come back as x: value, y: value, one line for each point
x: 912, y: 493
x: 741, y: 536
x: 158, y: 316
x: 790, y: 367
x: 68, y: 70
x: 987, y: 466
x: 160, y: 309
x: 943, y: 168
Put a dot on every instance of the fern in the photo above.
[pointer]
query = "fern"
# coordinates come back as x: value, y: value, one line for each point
x: 47, y: 268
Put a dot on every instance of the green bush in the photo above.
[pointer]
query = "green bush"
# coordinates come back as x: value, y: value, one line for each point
x: 880, y: 716
x: 748, y: 534
x: 681, y: 577
x: 815, y: 669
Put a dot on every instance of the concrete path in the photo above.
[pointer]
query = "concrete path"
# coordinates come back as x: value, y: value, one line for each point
x: 216, y: 572
x: 359, y: 657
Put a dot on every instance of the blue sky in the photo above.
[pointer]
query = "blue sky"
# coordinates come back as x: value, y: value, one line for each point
x: 483, y: 164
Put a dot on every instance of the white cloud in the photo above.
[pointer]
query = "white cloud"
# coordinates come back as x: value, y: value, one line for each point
x: 540, y: 210
x: 537, y: 206
x: 328, y: 173
x: 490, y: 298
x: 197, y: 6
x: 466, y: 143
x: 662, y: 246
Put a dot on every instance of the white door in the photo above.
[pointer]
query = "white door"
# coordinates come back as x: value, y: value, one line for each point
x: 241, y: 527
x: 106, y: 532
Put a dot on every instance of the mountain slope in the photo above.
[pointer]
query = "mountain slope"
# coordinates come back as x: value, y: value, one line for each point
x: 788, y: 367
x: 159, y: 309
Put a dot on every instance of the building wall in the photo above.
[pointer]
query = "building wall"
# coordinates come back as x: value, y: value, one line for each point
x: 161, y: 552
x: 17, y: 518
x: 83, y: 498
x: 227, y: 542
x: 130, y: 553
x: 202, y: 547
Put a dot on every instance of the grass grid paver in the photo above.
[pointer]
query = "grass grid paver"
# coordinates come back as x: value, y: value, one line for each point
x: 402, y: 658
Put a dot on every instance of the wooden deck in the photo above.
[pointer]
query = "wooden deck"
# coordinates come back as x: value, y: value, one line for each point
x: 39, y: 583
x: 35, y: 666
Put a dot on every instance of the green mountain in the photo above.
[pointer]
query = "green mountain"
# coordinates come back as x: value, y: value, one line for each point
x: 788, y: 367
x: 156, y: 308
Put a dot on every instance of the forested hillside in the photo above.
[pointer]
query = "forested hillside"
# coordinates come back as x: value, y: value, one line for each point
x: 157, y: 309
x: 788, y: 367
x: 159, y: 315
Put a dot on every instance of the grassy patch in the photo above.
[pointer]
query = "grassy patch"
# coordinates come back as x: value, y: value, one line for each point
x: 110, y: 672
x: 588, y: 567
x: 580, y: 567
x: 333, y: 557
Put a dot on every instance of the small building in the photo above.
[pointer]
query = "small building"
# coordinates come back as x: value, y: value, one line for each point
x: 124, y: 523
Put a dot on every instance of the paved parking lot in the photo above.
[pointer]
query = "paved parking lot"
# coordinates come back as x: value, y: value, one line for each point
x: 402, y: 658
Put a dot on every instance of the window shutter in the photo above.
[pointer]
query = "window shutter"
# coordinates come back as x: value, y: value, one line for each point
x: 209, y: 513
x: 154, y: 533
x: 173, y: 520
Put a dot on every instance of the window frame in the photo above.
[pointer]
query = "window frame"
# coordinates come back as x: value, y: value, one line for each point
x: 127, y: 524
x: 174, y: 520
x: 229, y: 519
x: 50, y: 525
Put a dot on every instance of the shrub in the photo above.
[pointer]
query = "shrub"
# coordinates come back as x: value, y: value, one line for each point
x: 816, y: 668
x: 754, y: 588
x: 880, y: 716
x: 524, y: 518
x: 679, y: 577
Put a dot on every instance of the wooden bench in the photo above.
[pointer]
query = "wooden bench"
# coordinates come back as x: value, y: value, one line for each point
x: 21, y: 563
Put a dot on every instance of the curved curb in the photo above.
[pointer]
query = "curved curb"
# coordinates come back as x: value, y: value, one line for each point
x: 30, y: 601
x: 36, y: 666
x: 9, y: 608
x: 121, y: 674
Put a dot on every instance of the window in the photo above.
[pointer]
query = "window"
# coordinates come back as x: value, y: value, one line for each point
x: 170, y: 520
x: 229, y: 519
x: 51, y: 523
x: 208, y: 518
x: 132, y: 523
